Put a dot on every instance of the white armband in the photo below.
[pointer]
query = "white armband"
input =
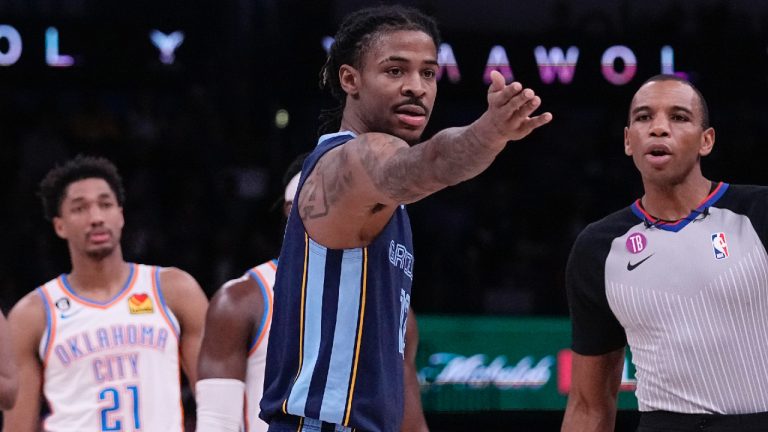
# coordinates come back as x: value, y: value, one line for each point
x: 219, y: 404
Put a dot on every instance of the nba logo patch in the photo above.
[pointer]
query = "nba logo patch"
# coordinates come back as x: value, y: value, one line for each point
x: 719, y: 245
x: 140, y: 304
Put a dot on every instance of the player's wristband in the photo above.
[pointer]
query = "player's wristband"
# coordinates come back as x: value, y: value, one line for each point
x: 219, y: 404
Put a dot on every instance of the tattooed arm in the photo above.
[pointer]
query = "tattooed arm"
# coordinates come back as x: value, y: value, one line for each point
x: 355, y: 188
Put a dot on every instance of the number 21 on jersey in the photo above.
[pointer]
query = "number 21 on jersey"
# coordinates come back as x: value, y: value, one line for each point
x: 120, y: 408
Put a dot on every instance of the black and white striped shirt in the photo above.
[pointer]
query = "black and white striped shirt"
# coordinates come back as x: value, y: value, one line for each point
x: 690, y: 299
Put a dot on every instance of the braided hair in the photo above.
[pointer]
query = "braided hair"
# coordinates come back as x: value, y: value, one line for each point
x: 357, y: 33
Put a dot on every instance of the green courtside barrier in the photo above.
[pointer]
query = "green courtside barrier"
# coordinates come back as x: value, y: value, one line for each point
x: 499, y: 363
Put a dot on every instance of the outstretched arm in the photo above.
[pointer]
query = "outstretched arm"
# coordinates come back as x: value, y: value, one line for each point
x: 354, y: 189
x: 405, y: 174
x: 594, y: 388
x: 413, y: 415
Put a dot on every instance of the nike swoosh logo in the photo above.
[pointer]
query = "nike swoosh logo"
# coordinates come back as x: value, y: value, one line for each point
x: 631, y: 266
x: 65, y: 316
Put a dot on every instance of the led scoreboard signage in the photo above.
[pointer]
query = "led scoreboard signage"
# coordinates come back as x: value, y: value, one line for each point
x: 618, y: 64
x: 166, y: 45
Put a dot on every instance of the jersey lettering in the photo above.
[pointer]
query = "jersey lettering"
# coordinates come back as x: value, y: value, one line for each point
x: 405, y: 302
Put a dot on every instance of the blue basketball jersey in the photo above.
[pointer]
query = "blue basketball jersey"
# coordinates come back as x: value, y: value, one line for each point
x: 336, y: 347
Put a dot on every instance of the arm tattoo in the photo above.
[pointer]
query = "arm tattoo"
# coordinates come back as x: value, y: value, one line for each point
x: 315, y: 205
x: 394, y: 181
x: 411, y: 173
x: 332, y: 178
x: 459, y: 156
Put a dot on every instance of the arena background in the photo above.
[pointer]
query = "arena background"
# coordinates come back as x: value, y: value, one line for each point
x: 202, y: 137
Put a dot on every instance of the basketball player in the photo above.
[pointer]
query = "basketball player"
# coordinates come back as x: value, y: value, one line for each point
x: 343, y: 286
x: 681, y: 276
x: 103, y: 343
x: 233, y: 354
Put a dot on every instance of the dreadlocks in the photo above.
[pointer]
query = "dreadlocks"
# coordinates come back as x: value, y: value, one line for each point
x: 354, y: 37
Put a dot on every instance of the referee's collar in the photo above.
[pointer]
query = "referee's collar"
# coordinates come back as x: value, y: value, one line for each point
x: 701, y: 211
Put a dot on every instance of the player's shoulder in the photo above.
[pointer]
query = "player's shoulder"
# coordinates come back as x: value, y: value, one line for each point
x: 238, y: 297
x: 173, y: 278
x: 237, y: 291
x: 32, y: 302
x: 362, y: 149
x: 28, y: 314
x: 376, y: 143
x: 179, y: 288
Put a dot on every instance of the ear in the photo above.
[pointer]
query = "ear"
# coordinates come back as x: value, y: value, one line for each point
x: 627, y: 149
x: 707, y: 142
x: 349, y: 77
x: 59, y: 228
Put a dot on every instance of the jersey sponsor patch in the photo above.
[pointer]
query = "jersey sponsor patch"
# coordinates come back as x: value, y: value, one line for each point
x: 720, y: 246
x: 140, y: 304
x: 636, y: 243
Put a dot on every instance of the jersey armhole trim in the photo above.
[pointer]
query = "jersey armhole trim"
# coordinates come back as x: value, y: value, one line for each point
x: 50, y: 325
x: 266, y: 316
x: 164, y: 310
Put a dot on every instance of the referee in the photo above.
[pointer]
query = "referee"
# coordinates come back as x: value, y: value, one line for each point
x: 681, y: 276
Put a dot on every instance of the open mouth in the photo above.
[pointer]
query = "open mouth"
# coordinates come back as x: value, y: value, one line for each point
x: 411, y: 115
x: 658, y: 155
x: 658, y: 150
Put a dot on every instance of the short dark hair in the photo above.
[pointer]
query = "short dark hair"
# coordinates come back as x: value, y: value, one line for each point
x: 54, y: 186
x: 702, y: 101
x: 355, y: 36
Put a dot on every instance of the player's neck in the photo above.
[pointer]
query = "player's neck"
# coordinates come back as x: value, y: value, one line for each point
x: 351, y: 121
x: 104, y: 276
x: 673, y: 202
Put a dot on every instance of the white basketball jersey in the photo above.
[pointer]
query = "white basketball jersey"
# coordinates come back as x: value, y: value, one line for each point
x: 111, y: 366
x: 264, y: 275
